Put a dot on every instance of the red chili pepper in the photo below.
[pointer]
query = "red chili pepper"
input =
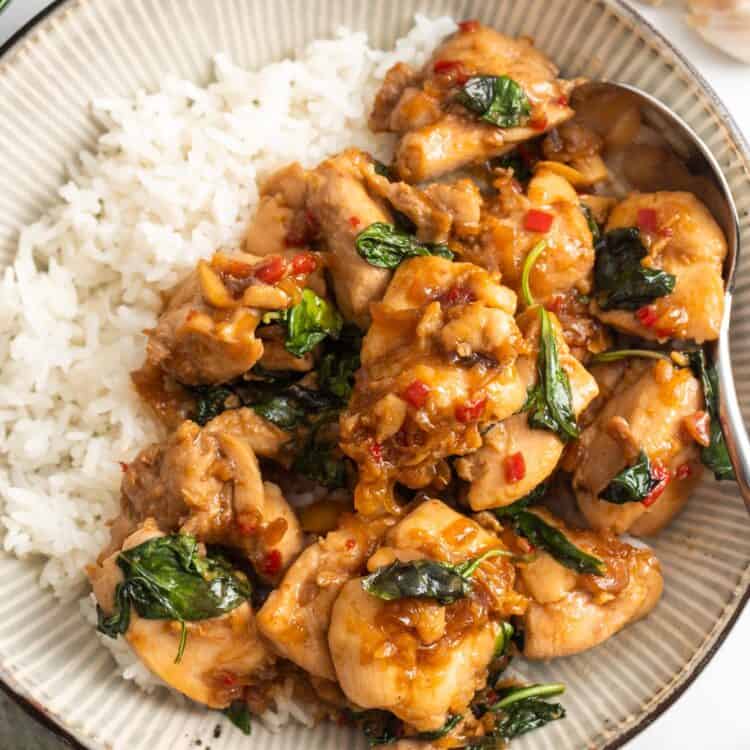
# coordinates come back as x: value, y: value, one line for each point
x: 469, y: 27
x: 271, y: 271
x: 457, y: 295
x: 683, y: 471
x: 247, y: 527
x: 376, y: 451
x: 453, y: 68
x: 662, y: 475
x: 350, y: 544
x: 470, y: 412
x: 354, y: 221
x: 562, y: 100
x: 665, y: 232
x: 539, y: 122
x: 647, y: 221
x: 304, y: 263
x: 229, y: 680
x: 515, y: 467
x: 538, y: 221
x: 416, y: 393
x: 272, y: 562
x: 647, y: 315
x: 123, y: 465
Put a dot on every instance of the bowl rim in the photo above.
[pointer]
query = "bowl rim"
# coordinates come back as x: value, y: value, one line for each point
x: 56, y: 724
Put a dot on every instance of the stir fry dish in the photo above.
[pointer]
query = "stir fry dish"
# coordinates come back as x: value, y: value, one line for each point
x: 406, y: 423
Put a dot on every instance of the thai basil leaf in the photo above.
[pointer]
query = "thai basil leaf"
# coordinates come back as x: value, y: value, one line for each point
x: 379, y: 727
x: 382, y: 169
x: 310, y: 321
x: 319, y: 457
x: 715, y: 455
x: 239, y: 714
x: 621, y: 281
x: 632, y: 484
x: 426, y: 579
x: 522, y: 717
x: 521, y: 169
x: 496, y: 99
x: 550, y: 401
x: 210, y: 403
x: 166, y: 579
x: 553, y: 541
x: 596, y: 232
x: 436, y: 734
x: 385, y: 246
x: 504, y: 639
x: 613, y: 355
x: 336, y: 373
x: 283, y: 410
x: 508, y: 511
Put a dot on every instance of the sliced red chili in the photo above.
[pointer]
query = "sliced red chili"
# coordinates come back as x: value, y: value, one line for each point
x: 665, y: 232
x: 304, y: 263
x: 470, y: 26
x: 376, y: 451
x: 354, y: 221
x: 457, y: 295
x: 538, y: 221
x: 272, y: 270
x: 272, y: 562
x: 453, y: 68
x: 123, y: 466
x: 416, y: 393
x: 661, y: 474
x: 539, y: 122
x: 562, y: 100
x: 647, y: 220
x: 350, y: 544
x: 470, y: 411
x: 647, y: 315
x: 515, y: 467
x: 683, y: 471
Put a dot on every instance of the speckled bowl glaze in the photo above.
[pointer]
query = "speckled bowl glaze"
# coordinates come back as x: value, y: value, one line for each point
x: 81, y: 49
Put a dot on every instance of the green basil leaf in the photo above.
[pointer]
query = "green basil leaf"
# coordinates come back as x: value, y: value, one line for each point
x: 379, y: 727
x: 451, y: 723
x: 336, y: 373
x: 310, y: 321
x: 715, y: 456
x: 239, y: 714
x: 382, y: 169
x: 526, y: 715
x: 596, y: 232
x: 520, y: 166
x: 318, y: 456
x: 426, y: 579
x: 385, y: 246
x: 553, y: 541
x: 621, y: 281
x: 613, y: 355
x: 508, y: 511
x: 496, y: 99
x: 504, y: 639
x: 165, y: 579
x: 550, y: 401
x: 210, y: 403
x: 632, y: 484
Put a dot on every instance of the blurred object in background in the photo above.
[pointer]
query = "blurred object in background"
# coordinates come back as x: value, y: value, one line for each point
x: 723, y: 23
x: 4, y: 4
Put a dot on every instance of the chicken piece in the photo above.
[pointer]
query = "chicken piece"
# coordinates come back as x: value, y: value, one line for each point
x: 492, y: 485
x: 279, y: 221
x: 645, y: 413
x: 296, y: 616
x: 206, y: 482
x: 438, y: 361
x: 506, y: 239
x: 341, y: 206
x: 438, y: 134
x: 215, y: 650
x: 686, y: 241
x: 414, y: 657
x: 569, y: 613
x: 439, y: 211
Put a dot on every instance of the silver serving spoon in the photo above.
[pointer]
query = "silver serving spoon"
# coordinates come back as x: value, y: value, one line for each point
x: 716, y: 194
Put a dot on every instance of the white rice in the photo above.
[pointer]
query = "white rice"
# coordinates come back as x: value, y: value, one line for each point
x: 172, y: 179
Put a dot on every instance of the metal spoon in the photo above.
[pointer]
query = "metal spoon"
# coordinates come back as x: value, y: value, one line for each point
x: 715, y: 193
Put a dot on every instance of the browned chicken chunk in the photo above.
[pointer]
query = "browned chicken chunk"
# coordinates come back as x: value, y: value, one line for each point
x: 438, y: 134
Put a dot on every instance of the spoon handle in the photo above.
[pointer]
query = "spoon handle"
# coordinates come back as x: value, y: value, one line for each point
x: 729, y: 407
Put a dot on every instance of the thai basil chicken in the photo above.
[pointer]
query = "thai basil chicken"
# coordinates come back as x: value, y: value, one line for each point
x: 405, y: 423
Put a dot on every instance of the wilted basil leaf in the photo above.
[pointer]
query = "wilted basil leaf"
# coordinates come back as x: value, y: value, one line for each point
x: 386, y: 246
x: 507, y: 511
x: 318, y: 456
x: 632, y: 484
x: 596, y: 232
x: 426, y: 579
x: 550, y: 401
x: 715, y: 455
x: 382, y: 169
x: 310, y: 321
x: 553, y: 541
x: 528, y: 714
x: 621, y: 281
x: 446, y: 729
x: 239, y: 714
x: 166, y: 579
x: 210, y: 403
x: 521, y: 169
x: 496, y: 99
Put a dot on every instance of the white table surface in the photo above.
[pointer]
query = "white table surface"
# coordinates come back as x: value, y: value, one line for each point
x: 714, y: 713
